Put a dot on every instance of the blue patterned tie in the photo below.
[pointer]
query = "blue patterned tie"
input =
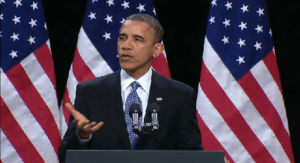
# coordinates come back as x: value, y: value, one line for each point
x: 132, y: 98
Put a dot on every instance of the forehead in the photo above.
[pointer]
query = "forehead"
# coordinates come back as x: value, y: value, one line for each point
x: 135, y: 27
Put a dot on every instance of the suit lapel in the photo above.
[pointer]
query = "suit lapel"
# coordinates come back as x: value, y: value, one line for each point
x: 156, y: 94
x: 115, y: 105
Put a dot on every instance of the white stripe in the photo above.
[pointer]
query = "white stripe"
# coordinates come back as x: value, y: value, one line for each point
x: 48, y: 44
x: 63, y: 126
x: 27, y: 121
x: 8, y: 152
x: 271, y: 89
x: 241, y: 101
x: 220, y: 129
x: 71, y: 85
x: 42, y: 83
x: 91, y: 56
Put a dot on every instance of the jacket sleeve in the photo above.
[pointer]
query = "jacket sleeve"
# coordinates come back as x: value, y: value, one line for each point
x: 189, y: 136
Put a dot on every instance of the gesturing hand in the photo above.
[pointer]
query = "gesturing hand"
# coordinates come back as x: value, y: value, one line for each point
x: 82, y: 124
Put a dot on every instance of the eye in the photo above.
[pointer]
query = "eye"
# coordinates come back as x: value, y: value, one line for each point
x: 121, y: 37
x: 138, y: 39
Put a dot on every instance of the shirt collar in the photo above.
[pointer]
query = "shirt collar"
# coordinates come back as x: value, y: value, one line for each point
x: 144, y: 81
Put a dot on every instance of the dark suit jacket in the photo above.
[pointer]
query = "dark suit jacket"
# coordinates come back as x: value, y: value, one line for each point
x: 100, y: 100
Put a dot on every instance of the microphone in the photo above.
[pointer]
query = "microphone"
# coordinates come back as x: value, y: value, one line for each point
x: 135, y: 112
x: 154, y: 109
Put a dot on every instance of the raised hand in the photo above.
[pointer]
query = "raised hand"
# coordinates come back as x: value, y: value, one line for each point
x: 82, y: 124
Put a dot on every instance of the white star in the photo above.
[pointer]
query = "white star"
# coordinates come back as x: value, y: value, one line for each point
x: 92, y: 15
x: 212, y: 20
x: 18, y: 2
x: 13, y: 54
x: 16, y: 19
x: 125, y: 4
x: 31, y: 40
x: 260, y: 11
x: 107, y: 36
x: 225, y: 40
x: 32, y: 23
x: 241, y: 60
x: 257, y: 45
x: 108, y: 19
x: 123, y: 20
x: 141, y: 7
x: 242, y: 25
x: 15, y: 36
x: 2, y: 1
x: 226, y: 22
x: 110, y: 2
x: 270, y: 32
x: 95, y: 1
x: 259, y: 28
x: 34, y: 6
x: 1, y: 17
x: 228, y: 5
x: 213, y: 2
x: 245, y: 8
x: 154, y: 11
x: 241, y: 43
x: 0, y: 33
x: 45, y: 26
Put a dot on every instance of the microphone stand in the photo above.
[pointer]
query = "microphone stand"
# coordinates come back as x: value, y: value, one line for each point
x: 144, y: 131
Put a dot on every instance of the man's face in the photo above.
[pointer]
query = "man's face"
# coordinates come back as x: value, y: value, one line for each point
x: 136, y: 46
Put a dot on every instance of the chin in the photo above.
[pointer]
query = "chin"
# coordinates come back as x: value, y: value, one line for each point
x: 127, y: 67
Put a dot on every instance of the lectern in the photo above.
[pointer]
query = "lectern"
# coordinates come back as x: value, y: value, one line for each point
x: 144, y: 156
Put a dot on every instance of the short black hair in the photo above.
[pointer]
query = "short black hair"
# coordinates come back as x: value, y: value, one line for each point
x: 153, y: 22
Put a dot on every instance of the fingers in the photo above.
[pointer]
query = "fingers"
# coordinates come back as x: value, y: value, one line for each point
x: 93, y: 127
x: 81, y: 123
x: 89, y: 129
x: 97, y: 126
x: 79, y: 119
x: 226, y: 161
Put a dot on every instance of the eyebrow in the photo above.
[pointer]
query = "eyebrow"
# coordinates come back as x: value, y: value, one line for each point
x: 135, y: 36
x: 138, y: 36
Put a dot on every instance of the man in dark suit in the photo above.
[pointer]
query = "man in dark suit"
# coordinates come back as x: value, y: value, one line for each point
x: 101, y: 119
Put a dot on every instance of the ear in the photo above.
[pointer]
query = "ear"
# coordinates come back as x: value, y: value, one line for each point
x: 158, y: 49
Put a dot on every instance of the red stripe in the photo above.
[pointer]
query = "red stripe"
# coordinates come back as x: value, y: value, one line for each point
x: 17, y: 137
x: 266, y: 110
x: 35, y: 103
x: 233, y: 117
x: 66, y: 99
x: 209, y: 141
x: 44, y: 56
x: 80, y: 70
x: 271, y: 63
x: 161, y: 66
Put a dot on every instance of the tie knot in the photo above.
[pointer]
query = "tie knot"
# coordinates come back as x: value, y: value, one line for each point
x: 135, y: 85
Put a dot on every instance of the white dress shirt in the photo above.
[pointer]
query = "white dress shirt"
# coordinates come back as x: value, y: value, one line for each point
x: 142, y: 91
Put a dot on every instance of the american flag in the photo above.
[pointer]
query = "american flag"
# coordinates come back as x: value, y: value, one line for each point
x: 96, y: 52
x: 240, y: 104
x: 29, y: 109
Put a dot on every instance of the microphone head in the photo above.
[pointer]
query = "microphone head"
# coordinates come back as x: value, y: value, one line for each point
x: 154, y: 108
x: 135, y: 108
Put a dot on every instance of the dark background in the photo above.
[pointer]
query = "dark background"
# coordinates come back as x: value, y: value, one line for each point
x: 184, y: 23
